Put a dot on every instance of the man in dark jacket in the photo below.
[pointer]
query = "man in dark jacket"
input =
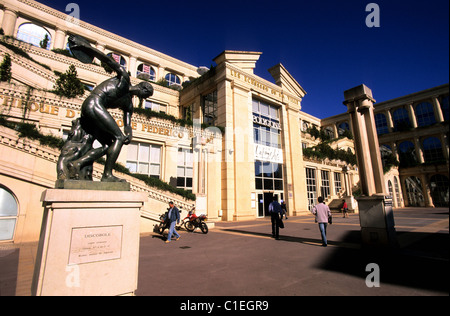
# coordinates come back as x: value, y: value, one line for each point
x: 276, y: 214
x: 173, y: 216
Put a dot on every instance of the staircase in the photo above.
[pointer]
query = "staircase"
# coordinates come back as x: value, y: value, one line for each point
x: 157, y: 200
x: 334, y: 202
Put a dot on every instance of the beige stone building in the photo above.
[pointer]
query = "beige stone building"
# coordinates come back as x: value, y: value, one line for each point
x: 414, y: 128
x: 246, y: 141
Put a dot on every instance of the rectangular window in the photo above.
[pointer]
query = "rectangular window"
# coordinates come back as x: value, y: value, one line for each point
x: 325, y: 189
x: 188, y: 112
x: 311, y: 187
x: 144, y: 159
x: 268, y: 176
x: 267, y: 132
x: 337, y: 183
x: 209, y: 107
x: 154, y: 106
x: 185, y: 169
x: 266, y: 124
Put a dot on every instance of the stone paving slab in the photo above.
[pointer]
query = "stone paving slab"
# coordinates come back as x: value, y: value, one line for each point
x: 241, y: 259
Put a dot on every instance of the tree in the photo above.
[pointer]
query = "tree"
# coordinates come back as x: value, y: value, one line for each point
x: 44, y: 42
x: 68, y: 84
x: 5, y: 69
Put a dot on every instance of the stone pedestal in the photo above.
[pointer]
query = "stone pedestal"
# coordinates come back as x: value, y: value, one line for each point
x: 377, y: 221
x: 89, y: 243
x: 375, y: 208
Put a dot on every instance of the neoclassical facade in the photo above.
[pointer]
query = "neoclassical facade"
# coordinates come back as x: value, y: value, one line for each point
x: 232, y: 139
x: 414, y: 128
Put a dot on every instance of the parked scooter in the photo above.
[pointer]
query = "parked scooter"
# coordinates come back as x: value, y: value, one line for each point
x: 192, y: 221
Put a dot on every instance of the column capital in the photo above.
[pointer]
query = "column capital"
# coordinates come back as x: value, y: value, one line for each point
x: 11, y: 9
x: 9, y: 20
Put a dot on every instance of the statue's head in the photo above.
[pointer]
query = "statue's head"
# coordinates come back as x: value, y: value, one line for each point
x: 143, y: 90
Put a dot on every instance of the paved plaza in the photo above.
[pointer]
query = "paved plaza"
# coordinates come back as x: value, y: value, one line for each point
x: 241, y: 259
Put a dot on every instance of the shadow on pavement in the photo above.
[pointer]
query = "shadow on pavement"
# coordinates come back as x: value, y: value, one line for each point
x: 9, y: 264
x: 421, y: 265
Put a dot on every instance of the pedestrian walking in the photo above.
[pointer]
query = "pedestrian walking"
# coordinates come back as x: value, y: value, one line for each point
x: 284, y: 209
x: 173, y: 216
x: 275, y: 213
x: 344, y: 208
x: 323, y: 215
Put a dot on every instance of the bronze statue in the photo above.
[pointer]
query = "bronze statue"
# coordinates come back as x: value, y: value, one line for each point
x: 95, y: 119
x: 77, y: 145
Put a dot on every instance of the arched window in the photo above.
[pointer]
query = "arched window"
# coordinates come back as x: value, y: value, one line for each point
x: 145, y: 71
x: 407, y: 154
x: 329, y: 132
x: 305, y: 126
x: 425, y: 114
x: 397, y: 192
x: 385, y: 151
x: 432, y: 150
x: 343, y: 127
x: 8, y: 214
x: 390, y: 189
x: 414, y: 191
x: 400, y: 119
x: 439, y: 190
x: 445, y: 109
x: 33, y: 34
x: 172, y: 79
x: 119, y: 59
x: 381, y: 124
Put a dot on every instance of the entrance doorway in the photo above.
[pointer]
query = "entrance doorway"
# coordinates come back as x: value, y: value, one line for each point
x: 264, y: 200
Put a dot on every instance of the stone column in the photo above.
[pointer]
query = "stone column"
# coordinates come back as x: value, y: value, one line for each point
x: 419, y: 152
x: 9, y: 21
x: 132, y: 67
x: 444, y: 143
x: 60, y: 39
x: 437, y: 109
x: 375, y: 208
x: 389, y: 120
x: 426, y: 190
x: 359, y: 102
x: 412, y: 116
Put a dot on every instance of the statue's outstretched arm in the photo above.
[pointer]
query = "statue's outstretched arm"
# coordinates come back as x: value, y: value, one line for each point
x: 79, y: 43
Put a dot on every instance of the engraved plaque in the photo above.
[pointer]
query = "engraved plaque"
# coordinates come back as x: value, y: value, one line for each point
x: 92, y: 244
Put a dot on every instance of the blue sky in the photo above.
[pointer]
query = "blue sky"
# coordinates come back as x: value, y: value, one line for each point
x: 325, y: 44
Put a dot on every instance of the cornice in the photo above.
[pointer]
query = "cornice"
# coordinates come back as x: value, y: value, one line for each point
x: 89, y: 27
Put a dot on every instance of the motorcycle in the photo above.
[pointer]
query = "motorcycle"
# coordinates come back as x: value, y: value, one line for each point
x: 192, y: 221
x: 163, y: 223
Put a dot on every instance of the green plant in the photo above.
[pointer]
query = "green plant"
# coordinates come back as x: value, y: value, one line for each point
x: 323, y: 150
x: 389, y: 161
x: 151, y: 114
x: 44, y: 42
x: 19, y: 51
x: 30, y: 131
x: 5, y: 69
x: 68, y: 84
x: 64, y: 52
